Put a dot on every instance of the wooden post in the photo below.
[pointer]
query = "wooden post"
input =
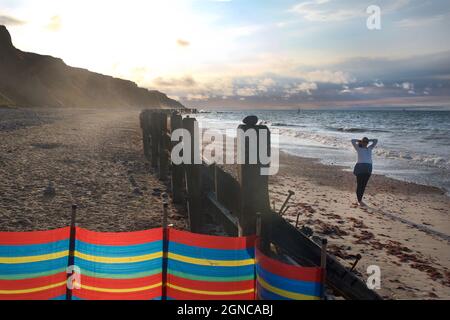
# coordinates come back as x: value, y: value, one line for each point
x: 258, y: 241
x: 193, y: 176
x: 71, y: 260
x: 163, y: 163
x: 165, y: 249
x: 176, y: 122
x: 155, y: 133
x: 254, y: 185
x: 323, y: 265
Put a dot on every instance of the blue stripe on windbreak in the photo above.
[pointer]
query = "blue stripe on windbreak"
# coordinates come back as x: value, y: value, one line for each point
x: 118, y: 251
x: 63, y: 297
x: 33, y: 249
x: 268, y: 295
x: 296, y: 286
x: 33, y: 267
x: 212, y: 271
x: 213, y: 254
x: 119, y: 268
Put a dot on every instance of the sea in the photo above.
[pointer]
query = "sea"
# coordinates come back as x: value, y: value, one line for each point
x: 413, y: 145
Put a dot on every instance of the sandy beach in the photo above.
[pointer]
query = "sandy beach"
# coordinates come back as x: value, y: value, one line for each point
x: 94, y: 158
x: 404, y: 230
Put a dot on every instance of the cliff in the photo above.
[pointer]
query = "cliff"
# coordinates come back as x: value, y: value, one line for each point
x: 29, y: 79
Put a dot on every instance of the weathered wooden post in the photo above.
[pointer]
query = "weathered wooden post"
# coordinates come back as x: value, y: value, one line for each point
x: 254, y: 185
x: 165, y: 226
x: 71, y: 260
x: 323, y: 265
x: 155, y: 133
x: 193, y: 174
x: 163, y: 163
x: 176, y: 122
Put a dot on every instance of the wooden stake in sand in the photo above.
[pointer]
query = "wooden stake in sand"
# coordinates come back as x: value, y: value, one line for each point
x: 165, y: 247
x: 323, y: 265
x: 71, y: 260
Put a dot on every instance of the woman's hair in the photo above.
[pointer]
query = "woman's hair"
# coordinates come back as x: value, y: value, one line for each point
x: 365, y: 139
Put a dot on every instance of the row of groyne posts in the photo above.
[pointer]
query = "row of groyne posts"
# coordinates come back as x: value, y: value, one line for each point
x: 239, y: 203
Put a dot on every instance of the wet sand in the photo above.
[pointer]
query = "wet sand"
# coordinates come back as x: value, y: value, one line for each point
x: 92, y: 158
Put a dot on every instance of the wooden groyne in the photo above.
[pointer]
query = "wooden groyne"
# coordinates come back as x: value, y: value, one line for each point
x: 236, y: 203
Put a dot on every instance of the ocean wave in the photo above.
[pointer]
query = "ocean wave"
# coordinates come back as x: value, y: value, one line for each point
x: 282, y: 124
x: 354, y: 130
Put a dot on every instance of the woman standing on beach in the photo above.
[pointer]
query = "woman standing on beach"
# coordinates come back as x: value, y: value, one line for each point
x: 363, y: 168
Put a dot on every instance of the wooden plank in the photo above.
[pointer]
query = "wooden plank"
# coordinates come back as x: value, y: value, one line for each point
x: 222, y: 215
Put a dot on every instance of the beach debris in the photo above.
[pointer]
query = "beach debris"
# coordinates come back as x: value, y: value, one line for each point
x: 291, y: 193
x: 250, y: 120
x: 137, y: 192
x: 298, y: 218
x: 358, y: 257
x: 307, y: 231
x: 50, y: 190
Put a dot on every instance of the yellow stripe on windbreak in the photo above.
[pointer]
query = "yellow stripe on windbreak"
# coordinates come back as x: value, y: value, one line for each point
x: 284, y: 293
x: 209, y: 262
x: 211, y: 293
x: 118, y: 259
x: 42, y: 257
x: 127, y: 290
x: 21, y: 291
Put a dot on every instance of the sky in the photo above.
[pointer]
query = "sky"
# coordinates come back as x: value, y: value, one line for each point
x: 250, y: 53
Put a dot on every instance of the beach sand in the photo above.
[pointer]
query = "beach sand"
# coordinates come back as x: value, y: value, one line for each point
x: 93, y: 158
x: 405, y: 229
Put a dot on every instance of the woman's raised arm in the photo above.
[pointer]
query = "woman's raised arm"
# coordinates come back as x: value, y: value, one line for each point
x: 374, y: 143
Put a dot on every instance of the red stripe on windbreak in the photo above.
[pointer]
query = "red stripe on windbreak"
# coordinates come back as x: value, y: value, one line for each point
x: 32, y: 283
x: 181, y: 295
x: 35, y: 237
x: 41, y: 295
x: 95, y: 295
x: 312, y: 274
x: 211, y: 242
x: 121, y: 283
x: 119, y: 238
x: 210, y: 286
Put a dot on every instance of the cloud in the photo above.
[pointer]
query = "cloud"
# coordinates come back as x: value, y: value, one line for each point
x: 304, y: 87
x: 326, y: 10
x: 421, y: 21
x: 197, y: 97
x: 10, y: 21
x: 187, y: 81
x: 183, y: 43
x: 246, y: 92
x: 55, y: 24
x: 327, y: 76
x: 378, y: 84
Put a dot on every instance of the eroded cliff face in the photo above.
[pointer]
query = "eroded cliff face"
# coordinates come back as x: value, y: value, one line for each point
x: 29, y: 79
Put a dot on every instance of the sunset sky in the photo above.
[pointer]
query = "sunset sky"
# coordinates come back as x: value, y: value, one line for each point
x: 250, y: 53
